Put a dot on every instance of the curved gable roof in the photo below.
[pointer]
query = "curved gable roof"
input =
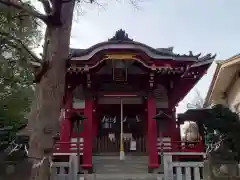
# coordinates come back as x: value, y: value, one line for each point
x: 135, y: 44
x: 121, y: 41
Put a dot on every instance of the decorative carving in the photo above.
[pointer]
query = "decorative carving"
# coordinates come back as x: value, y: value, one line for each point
x: 161, y: 96
x: 120, y: 35
x: 151, y: 79
x: 190, y: 53
x: 119, y: 70
x: 116, y: 87
x: 89, y: 82
x: 207, y: 57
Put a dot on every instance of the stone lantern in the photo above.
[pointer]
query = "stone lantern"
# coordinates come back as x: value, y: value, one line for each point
x: 162, y: 122
x: 78, y: 118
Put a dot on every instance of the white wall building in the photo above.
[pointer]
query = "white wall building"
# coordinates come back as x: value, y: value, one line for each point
x: 225, y: 86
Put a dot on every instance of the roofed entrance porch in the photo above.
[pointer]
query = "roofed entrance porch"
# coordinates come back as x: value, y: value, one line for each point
x: 121, y: 121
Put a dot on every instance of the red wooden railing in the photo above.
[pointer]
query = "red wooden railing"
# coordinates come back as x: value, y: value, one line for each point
x: 180, y: 146
x: 104, y: 145
x: 68, y: 147
x: 101, y: 145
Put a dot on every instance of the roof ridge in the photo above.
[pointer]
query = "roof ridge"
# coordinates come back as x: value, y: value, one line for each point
x: 231, y: 58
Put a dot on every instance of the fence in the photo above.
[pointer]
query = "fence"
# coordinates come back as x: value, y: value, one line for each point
x: 165, y: 144
x: 182, y: 170
x: 66, y: 170
x: 60, y: 171
x: 71, y: 147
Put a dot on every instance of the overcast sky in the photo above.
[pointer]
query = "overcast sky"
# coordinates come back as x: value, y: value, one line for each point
x: 206, y: 26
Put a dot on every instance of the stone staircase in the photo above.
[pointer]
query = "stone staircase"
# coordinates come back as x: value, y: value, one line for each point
x: 112, y: 164
x: 111, y: 168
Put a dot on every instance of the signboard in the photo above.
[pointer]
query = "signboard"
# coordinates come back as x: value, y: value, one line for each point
x: 120, y: 56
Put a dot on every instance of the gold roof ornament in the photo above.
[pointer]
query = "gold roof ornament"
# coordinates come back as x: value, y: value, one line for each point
x: 121, y: 56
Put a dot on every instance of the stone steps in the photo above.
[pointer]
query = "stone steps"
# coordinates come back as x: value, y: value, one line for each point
x: 123, y: 176
x: 112, y: 168
x: 112, y: 165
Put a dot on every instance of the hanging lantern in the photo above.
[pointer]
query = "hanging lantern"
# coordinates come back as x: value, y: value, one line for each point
x: 162, y: 121
x: 78, y: 118
x: 78, y: 121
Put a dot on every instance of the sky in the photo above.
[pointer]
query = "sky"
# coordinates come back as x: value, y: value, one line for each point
x: 206, y: 26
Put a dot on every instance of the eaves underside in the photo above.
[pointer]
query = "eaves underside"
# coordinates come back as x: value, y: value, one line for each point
x: 221, y: 65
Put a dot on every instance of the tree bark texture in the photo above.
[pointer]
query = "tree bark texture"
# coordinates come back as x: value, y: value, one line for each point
x: 44, y: 115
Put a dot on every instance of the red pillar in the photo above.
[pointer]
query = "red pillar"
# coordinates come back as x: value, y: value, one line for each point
x: 152, y: 134
x: 88, y: 134
x: 94, y: 122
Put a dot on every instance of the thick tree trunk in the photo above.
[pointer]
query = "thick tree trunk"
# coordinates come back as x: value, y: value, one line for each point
x: 44, y: 116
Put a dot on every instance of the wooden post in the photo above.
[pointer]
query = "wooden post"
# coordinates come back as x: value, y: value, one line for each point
x: 88, y: 135
x: 168, y: 168
x: 73, y: 167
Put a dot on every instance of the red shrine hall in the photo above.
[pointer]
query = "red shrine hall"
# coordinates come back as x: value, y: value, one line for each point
x: 119, y: 86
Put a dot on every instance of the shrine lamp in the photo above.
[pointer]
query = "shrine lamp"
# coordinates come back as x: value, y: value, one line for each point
x: 78, y: 118
x: 162, y: 121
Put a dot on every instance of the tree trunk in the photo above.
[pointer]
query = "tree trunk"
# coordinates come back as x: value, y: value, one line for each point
x: 44, y: 115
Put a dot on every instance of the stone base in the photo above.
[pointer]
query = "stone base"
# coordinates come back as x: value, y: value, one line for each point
x: 123, y: 176
x: 150, y: 170
x: 122, y: 155
x: 90, y: 170
x: 220, y: 170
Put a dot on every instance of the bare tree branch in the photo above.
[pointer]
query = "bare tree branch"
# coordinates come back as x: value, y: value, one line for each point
x: 25, y: 7
x: 18, y: 45
x: 134, y: 3
x: 197, y: 102
x: 47, y: 6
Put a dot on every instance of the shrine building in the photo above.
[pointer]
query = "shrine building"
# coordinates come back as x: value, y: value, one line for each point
x: 119, y: 86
